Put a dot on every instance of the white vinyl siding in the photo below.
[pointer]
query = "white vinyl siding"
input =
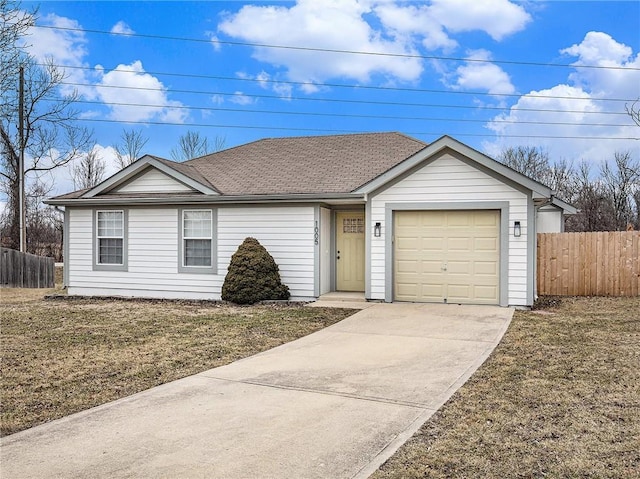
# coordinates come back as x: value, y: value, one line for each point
x: 287, y: 232
x: 449, y: 180
x: 549, y: 220
x: 152, y: 180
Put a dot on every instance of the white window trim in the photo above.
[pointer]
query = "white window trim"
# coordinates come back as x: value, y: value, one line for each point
x: 182, y: 268
x: 97, y: 266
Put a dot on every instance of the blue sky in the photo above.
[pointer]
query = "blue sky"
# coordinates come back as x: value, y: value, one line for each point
x: 207, y: 73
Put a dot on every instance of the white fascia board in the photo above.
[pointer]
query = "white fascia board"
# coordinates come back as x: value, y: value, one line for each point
x: 335, y: 198
x: 566, y: 208
x: 538, y: 189
x: 139, y: 165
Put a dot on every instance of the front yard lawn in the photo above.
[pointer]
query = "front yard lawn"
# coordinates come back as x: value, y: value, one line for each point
x: 62, y: 356
x: 559, y: 397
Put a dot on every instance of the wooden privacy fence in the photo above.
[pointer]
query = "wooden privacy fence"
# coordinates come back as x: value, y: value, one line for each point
x: 24, y: 270
x: 589, y: 264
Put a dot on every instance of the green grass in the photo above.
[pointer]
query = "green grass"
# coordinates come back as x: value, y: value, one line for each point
x: 559, y: 397
x: 62, y: 356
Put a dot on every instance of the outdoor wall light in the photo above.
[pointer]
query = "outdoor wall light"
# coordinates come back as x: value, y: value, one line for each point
x: 377, y: 230
x: 517, y: 231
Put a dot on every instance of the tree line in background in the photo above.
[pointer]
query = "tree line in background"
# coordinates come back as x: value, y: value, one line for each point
x: 608, y: 197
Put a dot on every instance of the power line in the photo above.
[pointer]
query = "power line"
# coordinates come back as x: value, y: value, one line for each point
x: 341, y: 100
x: 347, y: 115
x: 326, y: 130
x: 351, y: 86
x: 350, y: 52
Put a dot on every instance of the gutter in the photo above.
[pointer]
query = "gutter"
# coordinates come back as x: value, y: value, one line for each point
x: 208, y: 199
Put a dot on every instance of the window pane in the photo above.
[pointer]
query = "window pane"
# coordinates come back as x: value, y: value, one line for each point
x: 197, y: 224
x: 197, y: 252
x: 110, y: 223
x: 110, y: 251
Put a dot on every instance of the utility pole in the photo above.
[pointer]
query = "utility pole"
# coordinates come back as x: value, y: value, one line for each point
x: 21, y: 207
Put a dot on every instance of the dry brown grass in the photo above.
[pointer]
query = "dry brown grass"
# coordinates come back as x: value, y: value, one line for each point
x: 559, y: 397
x: 59, y: 357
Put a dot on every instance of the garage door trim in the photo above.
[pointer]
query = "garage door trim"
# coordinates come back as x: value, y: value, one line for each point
x: 502, y: 206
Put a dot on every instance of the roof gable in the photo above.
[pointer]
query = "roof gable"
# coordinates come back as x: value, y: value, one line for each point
x: 151, y: 174
x: 151, y: 180
x: 474, y: 157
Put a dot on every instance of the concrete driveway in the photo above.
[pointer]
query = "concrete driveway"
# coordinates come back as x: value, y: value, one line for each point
x: 335, y: 404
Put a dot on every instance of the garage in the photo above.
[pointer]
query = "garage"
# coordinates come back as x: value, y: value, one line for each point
x: 447, y: 256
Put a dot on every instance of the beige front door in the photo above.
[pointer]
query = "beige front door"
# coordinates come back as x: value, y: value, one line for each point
x: 447, y: 256
x: 350, y: 251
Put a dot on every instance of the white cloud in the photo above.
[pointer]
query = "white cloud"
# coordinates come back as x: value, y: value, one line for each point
x: 241, y: 99
x: 478, y: 75
x: 121, y: 28
x: 405, y: 21
x: 215, y: 43
x: 128, y: 86
x: 267, y: 82
x: 601, y: 50
x: 498, y: 18
x: 70, y: 48
x: 332, y: 25
x: 66, y: 48
x: 217, y: 99
x: 381, y: 26
x: 583, y: 99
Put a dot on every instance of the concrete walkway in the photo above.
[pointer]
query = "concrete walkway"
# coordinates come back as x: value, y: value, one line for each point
x: 335, y: 404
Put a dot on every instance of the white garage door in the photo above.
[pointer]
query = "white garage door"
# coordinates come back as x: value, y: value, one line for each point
x: 447, y: 256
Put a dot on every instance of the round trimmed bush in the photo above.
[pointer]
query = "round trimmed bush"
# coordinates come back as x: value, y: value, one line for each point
x: 253, y: 276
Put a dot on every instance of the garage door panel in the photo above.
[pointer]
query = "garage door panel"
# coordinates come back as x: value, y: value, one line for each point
x: 431, y: 267
x: 454, y: 256
x: 456, y: 243
x: 458, y: 292
x: 485, y: 244
x: 433, y: 245
x: 432, y: 292
x: 487, y: 218
x: 436, y: 220
x: 459, y: 220
x: 408, y: 266
x: 405, y: 291
x: 408, y: 244
x: 489, y: 268
x: 459, y: 268
x: 485, y: 294
x: 408, y: 220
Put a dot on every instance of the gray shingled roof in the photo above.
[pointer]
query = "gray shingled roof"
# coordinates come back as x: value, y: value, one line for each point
x: 186, y: 169
x: 311, y: 164
x: 297, y: 165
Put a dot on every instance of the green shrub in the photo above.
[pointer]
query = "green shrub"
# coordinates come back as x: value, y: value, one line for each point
x: 253, y: 276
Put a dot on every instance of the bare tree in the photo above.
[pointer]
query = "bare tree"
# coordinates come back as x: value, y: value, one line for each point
x: 621, y: 181
x: 130, y: 147
x: 88, y: 171
x: 14, y: 23
x: 531, y: 161
x: 51, y: 138
x: 192, y: 145
x: 44, y: 223
x: 633, y: 111
x: 535, y: 163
